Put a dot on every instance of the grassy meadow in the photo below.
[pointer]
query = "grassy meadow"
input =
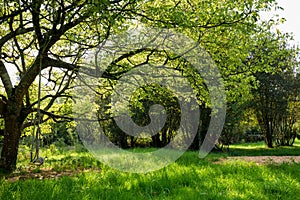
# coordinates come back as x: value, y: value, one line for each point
x: 72, y: 173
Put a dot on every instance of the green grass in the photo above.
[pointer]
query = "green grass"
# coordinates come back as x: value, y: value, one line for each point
x: 187, y: 178
x: 259, y: 149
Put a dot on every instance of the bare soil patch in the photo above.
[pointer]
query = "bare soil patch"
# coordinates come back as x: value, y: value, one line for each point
x: 45, y: 174
x: 262, y: 160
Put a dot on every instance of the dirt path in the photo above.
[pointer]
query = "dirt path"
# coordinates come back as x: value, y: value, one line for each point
x: 45, y: 174
x: 260, y: 160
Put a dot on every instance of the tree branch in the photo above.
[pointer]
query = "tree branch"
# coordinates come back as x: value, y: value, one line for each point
x: 4, y: 76
x: 13, y: 34
x: 30, y: 76
x: 54, y: 35
x: 2, y: 107
x: 57, y: 118
x: 36, y: 20
x: 13, y: 14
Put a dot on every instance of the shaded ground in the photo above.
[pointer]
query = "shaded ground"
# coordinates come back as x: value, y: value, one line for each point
x: 261, y: 160
x: 44, y: 174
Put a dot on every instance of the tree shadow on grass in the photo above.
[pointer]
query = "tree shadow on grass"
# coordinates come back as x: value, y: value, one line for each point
x: 54, y: 168
x: 278, y: 151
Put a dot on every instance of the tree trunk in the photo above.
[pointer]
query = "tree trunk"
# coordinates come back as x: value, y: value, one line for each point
x: 155, y: 140
x: 9, y: 152
x: 13, y: 122
x: 269, y: 141
x: 269, y: 135
x: 164, y: 140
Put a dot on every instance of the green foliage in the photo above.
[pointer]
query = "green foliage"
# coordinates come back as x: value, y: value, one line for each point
x: 141, y: 102
x: 276, y: 94
x: 61, y: 133
x: 233, y: 36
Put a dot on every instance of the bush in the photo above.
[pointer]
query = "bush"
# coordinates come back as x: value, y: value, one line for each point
x: 61, y: 134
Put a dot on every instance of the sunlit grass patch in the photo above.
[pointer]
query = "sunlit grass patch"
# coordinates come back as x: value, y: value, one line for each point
x: 248, y: 145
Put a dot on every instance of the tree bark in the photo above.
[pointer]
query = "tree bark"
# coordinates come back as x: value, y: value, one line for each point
x: 155, y: 140
x: 1, y: 107
x: 269, y: 136
x: 9, y: 152
x: 13, y: 122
